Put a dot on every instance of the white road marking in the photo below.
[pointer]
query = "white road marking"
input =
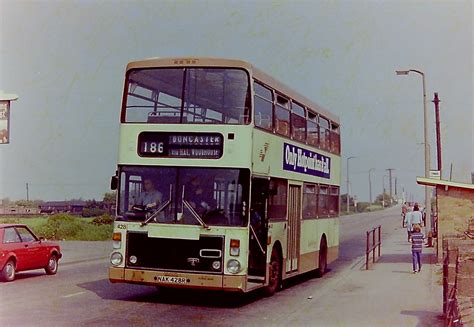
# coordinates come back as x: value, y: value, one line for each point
x: 73, y: 294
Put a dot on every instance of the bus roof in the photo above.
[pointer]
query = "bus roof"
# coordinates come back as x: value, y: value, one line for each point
x: 221, y: 62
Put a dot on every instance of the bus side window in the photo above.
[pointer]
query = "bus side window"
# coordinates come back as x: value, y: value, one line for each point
x: 323, y: 201
x: 310, y: 204
x: 313, y: 129
x: 282, y: 116
x: 324, y: 138
x: 277, y: 199
x: 298, y: 122
x: 335, y: 139
x: 263, y: 107
x: 334, y: 201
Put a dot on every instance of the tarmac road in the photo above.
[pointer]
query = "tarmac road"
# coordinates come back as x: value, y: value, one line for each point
x: 81, y: 295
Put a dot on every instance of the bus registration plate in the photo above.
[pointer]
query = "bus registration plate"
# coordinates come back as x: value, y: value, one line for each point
x: 171, y: 280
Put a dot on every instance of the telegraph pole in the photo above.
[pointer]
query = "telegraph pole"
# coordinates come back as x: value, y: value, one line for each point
x: 370, y: 186
x: 436, y: 101
x: 27, y: 193
x: 390, y: 182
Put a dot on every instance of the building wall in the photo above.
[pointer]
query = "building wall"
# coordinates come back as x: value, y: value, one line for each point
x: 455, y: 209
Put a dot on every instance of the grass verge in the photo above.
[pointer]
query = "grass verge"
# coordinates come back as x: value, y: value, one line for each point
x: 66, y: 227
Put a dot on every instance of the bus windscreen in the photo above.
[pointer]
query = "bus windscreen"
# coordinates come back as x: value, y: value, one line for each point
x: 189, y: 196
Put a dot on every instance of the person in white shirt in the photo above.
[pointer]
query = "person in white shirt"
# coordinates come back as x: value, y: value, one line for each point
x: 150, y: 197
x: 416, y: 216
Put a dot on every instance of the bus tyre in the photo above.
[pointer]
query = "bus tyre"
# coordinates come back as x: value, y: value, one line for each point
x: 274, y: 277
x: 52, y: 267
x: 8, y: 272
x: 323, y: 258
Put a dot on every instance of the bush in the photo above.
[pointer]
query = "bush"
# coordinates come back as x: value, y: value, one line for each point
x: 60, y: 227
x: 93, y: 212
x: 103, y: 220
x: 362, y: 206
x: 374, y: 207
x: 67, y: 227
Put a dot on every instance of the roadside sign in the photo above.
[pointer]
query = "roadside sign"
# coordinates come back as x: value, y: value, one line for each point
x: 435, y: 174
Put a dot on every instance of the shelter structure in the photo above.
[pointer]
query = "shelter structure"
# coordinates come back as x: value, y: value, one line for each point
x: 454, y: 207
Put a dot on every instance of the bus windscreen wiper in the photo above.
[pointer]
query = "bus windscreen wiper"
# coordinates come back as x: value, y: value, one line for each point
x: 195, y: 214
x: 160, y: 209
x: 191, y: 209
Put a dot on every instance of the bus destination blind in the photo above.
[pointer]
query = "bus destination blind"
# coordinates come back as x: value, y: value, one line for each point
x: 180, y: 145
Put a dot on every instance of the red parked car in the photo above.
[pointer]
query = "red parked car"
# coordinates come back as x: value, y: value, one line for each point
x: 21, y: 249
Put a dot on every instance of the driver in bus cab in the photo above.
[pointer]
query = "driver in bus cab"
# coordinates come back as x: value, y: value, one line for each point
x: 150, y: 197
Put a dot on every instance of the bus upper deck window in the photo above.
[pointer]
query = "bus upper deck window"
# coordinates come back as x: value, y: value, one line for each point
x: 263, y: 102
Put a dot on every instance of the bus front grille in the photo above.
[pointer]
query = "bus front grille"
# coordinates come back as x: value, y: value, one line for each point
x: 175, y: 254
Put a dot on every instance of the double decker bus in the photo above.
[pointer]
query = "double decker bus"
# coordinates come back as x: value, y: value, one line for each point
x: 242, y: 175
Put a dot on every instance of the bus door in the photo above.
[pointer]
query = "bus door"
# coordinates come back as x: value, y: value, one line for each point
x: 258, y: 228
x: 294, y: 228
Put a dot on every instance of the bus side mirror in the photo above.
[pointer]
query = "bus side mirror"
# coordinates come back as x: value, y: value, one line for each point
x: 114, y: 183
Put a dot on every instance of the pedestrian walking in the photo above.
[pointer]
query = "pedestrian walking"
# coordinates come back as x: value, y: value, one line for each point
x: 416, y: 247
x: 407, y: 222
x: 404, y: 211
x: 416, y: 216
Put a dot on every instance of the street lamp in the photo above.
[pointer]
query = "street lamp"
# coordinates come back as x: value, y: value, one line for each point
x: 427, y: 158
x: 370, y: 185
x: 347, y: 166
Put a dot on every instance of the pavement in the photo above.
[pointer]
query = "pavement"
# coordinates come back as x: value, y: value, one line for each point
x: 389, y: 293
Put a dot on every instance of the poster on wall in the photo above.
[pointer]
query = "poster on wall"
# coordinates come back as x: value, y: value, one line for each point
x: 4, y: 122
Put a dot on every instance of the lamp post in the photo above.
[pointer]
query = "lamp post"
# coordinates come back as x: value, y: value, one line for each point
x: 427, y: 158
x: 370, y: 185
x: 347, y: 166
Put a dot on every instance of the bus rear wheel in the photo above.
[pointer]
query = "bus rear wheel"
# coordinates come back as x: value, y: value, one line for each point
x: 274, y: 282
x: 323, y: 258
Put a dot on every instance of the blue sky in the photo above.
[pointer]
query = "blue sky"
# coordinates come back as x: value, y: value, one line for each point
x: 66, y: 62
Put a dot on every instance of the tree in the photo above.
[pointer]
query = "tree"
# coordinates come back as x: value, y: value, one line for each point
x: 110, y: 197
x: 28, y: 204
x: 385, y: 198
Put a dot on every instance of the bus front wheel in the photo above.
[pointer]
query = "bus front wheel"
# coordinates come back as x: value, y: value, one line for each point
x: 274, y: 282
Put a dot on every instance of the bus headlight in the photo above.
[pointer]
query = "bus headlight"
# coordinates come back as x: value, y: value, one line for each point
x: 233, y: 266
x: 116, y: 258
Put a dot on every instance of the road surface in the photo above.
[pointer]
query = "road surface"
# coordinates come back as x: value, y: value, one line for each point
x: 81, y: 295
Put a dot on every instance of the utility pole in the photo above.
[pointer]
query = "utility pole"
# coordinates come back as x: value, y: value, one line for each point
x: 370, y: 185
x: 390, y: 182
x: 27, y: 193
x: 348, y: 193
x: 436, y: 101
x: 383, y: 191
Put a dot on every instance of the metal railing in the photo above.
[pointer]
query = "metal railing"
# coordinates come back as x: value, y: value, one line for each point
x: 374, y: 245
